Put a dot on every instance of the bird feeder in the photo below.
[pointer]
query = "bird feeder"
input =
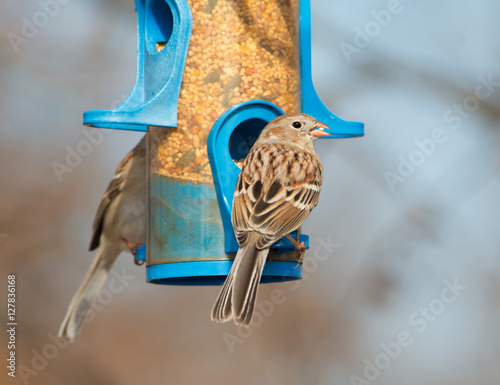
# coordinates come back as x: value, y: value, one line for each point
x: 210, y: 75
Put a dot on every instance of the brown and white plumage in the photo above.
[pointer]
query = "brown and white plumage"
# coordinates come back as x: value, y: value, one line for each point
x: 278, y: 186
x: 119, y: 225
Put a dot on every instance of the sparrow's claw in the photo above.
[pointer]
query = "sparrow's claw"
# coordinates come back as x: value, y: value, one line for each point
x: 134, y: 253
x: 133, y: 249
x: 136, y: 261
x: 300, y: 248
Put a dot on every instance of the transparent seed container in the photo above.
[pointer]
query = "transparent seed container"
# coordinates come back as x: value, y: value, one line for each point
x: 239, y: 51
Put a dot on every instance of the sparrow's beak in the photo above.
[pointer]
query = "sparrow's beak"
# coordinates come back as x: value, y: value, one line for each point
x: 319, y: 130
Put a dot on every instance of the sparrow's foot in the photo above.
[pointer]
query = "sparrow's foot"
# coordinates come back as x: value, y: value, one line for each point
x: 300, y: 248
x: 136, y: 261
x: 133, y: 249
x: 301, y: 251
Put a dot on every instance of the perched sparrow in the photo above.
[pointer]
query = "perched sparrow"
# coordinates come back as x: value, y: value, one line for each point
x: 119, y: 225
x: 278, y: 187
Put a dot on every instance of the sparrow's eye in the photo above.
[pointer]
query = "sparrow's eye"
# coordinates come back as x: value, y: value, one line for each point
x: 296, y: 124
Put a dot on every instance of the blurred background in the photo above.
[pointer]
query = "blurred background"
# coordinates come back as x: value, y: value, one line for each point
x: 401, y: 285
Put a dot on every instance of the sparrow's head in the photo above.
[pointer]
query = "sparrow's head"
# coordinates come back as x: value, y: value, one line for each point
x: 298, y: 128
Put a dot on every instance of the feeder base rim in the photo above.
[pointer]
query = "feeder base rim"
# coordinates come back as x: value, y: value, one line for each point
x: 204, y: 273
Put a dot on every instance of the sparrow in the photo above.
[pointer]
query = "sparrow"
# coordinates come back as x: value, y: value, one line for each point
x: 278, y: 186
x: 119, y: 225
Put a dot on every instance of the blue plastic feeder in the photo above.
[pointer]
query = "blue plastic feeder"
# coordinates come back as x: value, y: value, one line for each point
x: 210, y: 75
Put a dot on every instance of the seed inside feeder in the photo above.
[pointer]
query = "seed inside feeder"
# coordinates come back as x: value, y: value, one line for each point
x: 239, y: 51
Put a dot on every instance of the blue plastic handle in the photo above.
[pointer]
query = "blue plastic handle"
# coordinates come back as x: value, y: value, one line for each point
x: 311, y: 103
x: 154, y: 98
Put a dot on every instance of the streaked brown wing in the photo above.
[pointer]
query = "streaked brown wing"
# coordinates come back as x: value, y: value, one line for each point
x: 111, y: 193
x: 242, y: 209
x: 280, y: 211
x: 275, y: 193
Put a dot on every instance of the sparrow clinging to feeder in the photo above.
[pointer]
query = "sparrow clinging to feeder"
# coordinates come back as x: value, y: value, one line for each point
x: 119, y: 225
x: 278, y: 186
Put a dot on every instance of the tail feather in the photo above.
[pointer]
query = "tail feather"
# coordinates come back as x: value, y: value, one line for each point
x: 238, y: 295
x: 221, y: 311
x: 87, y: 293
x: 245, y: 318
